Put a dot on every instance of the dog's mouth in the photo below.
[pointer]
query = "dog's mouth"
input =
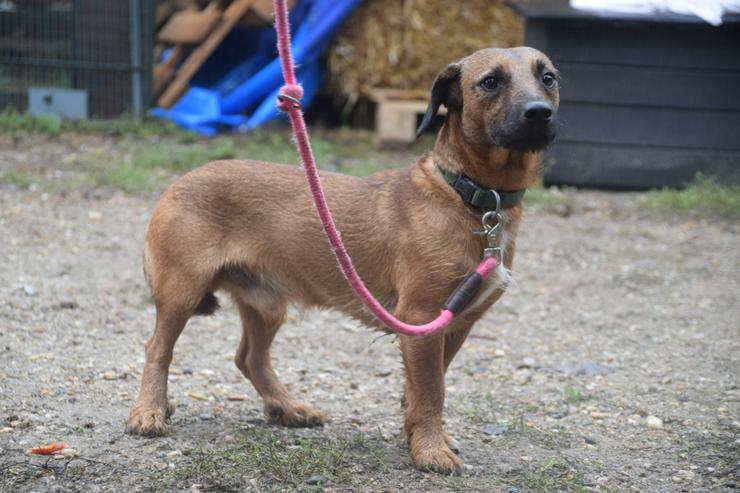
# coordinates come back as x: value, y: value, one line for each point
x: 526, y: 136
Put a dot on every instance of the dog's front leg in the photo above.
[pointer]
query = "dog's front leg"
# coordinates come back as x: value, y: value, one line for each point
x: 424, y: 364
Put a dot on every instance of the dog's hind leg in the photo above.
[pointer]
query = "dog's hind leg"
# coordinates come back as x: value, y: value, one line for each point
x: 253, y: 359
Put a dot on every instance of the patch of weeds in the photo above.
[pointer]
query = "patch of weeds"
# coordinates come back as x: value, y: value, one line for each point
x: 20, y: 180
x: 12, y: 122
x: 126, y: 177
x: 545, y: 198
x: 705, y: 195
x: 554, y: 475
x: 273, y: 457
x: 126, y: 125
x: 179, y: 157
x: 572, y: 394
x: 549, y: 439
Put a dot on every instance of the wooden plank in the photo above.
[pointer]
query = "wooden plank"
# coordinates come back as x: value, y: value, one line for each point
x: 668, y: 127
x: 652, y: 45
x: 650, y: 86
x: 189, y: 27
x: 635, y: 168
x: 261, y: 13
x: 179, y: 85
x: 396, y: 120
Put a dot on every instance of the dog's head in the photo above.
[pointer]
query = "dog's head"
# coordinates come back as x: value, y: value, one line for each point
x: 506, y: 98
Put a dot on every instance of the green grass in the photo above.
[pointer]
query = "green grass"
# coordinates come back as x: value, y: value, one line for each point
x: 13, y: 122
x: 704, y: 195
x: 572, y: 394
x: 275, y: 456
x: 554, y: 475
x: 126, y: 177
x: 544, y: 197
x: 20, y: 180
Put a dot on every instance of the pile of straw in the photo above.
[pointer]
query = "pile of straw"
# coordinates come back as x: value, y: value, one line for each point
x: 402, y: 44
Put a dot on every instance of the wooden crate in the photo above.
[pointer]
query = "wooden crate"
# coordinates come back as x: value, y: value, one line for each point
x: 397, y: 112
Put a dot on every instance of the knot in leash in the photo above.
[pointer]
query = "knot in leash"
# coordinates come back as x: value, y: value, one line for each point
x: 289, y: 98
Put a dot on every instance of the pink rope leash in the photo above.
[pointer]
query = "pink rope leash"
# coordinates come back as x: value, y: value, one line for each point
x: 289, y: 102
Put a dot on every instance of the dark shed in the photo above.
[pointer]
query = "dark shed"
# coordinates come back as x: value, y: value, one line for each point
x: 646, y: 101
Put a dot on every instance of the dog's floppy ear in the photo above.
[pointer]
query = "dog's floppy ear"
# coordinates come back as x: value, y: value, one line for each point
x: 445, y: 90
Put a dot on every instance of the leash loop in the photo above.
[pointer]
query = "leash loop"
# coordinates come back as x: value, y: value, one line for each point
x: 290, y: 93
x: 289, y: 102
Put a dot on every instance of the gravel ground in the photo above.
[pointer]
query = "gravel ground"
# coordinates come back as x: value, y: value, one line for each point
x: 610, y: 365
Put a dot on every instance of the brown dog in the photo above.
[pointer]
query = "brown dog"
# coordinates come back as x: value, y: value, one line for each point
x: 249, y: 228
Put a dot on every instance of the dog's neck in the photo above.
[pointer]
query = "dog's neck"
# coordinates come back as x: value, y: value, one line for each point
x: 490, y: 166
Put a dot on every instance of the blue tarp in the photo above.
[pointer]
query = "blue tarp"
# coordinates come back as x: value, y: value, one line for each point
x: 243, y: 75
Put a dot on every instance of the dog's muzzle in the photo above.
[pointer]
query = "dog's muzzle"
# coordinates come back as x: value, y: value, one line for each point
x: 530, y: 128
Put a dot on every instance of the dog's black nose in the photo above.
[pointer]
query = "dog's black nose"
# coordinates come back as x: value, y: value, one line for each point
x: 537, y: 111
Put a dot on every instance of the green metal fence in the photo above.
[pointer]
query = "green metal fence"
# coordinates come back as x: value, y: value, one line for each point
x: 100, y: 47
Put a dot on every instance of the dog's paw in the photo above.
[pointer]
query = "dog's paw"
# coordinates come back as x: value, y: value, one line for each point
x: 441, y: 460
x: 294, y: 415
x: 149, y: 422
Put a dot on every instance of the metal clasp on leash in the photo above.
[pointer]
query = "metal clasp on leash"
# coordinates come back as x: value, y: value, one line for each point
x: 492, y: 222
x: 296, y: 102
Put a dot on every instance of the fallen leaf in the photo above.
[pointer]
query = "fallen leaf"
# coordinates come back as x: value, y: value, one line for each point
x: 49, y: 449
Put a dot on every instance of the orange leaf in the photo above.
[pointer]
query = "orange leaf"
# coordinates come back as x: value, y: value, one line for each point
x: 50, y: 449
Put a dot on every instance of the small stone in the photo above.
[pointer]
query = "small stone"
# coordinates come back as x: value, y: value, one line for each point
x: 236, y: 397
x: 654, y: 423
x: 206, y: 416
x: 467, y: 467
x: 30, y: 290
x: 317, y: 479
x: 499, y: 353
x: 590, y: 440
x: 526, y: 458
x: 69, y: 452
x: 110, y: 375
x: 594, y: 369
x: 175, y: 453
x: 198, y: 396
x: 94, y: 215
x: 187, y: 371
x: 383, y: 373
x: 42, y: 356
x: 7, y: 429
x: 599, y: 415
x: 527, y: 362
x: 494, y: 430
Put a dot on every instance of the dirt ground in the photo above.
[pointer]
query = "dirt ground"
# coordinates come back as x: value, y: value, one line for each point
x: 611, y: 364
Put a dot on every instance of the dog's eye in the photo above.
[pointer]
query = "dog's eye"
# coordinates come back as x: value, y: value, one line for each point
x: 490, y: 83
x: 548, y: 79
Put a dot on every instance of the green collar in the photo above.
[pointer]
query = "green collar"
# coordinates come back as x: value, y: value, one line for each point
x: 480, y: 197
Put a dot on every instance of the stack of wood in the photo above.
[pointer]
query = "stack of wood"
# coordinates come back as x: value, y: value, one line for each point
x: 193, y: 29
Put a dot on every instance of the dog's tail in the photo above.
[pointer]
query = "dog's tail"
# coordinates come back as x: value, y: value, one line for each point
x: 208, y: 305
